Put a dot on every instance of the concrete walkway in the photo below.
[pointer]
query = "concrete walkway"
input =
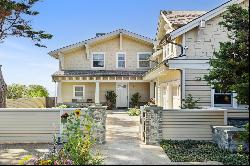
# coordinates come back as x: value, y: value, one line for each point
x: 123, y: 146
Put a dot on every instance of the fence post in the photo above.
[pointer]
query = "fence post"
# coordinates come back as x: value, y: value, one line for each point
x: 153, y: 132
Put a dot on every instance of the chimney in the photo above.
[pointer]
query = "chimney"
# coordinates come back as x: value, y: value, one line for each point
x: 3, y: 90
x: 99, y: 34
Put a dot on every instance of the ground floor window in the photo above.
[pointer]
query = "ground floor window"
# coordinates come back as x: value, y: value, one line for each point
x: 222, y: 99
x: 79, y: 91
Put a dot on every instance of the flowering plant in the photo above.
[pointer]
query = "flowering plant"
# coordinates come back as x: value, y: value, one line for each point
x: 64, y: 117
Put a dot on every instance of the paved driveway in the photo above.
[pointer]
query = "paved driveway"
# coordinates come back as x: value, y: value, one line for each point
x: 123, y: 146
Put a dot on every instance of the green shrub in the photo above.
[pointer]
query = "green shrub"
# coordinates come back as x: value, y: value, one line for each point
x: 189, y: 103
x: 134, y: 112
x: 200, y: 151
x: 111, y: 99
x: 135, y: 100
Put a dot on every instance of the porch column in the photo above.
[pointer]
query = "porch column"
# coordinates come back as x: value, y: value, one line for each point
x: 59, y: 92
x: 97, y: 92
x: 151, y: 89
x: 170, y: 96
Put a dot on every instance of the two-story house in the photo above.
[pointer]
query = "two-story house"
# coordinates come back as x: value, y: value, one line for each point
x: 186, y: 40
x: 168, y: 69
x: 114, y: 61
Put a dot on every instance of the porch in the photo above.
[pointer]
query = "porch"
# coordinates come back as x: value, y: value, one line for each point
x: 86, y: 91
x: 166, y: 86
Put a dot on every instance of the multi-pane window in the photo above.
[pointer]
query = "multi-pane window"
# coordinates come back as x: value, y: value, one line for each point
x: 121, y: 60
x: 79, y: 92
x: 98, y: 60
x: 143, y: 60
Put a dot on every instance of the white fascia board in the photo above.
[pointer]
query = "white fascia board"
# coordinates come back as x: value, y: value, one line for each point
x: 207, y: 16
x: 189, y: 64
x: 95, y: 39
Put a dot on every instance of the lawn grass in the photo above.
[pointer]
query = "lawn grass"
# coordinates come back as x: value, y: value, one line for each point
x: 200, y: 151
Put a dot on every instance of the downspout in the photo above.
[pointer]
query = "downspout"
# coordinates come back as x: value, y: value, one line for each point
x: 182, y: 71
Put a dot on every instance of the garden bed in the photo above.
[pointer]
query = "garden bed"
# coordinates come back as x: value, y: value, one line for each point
x: 200, y: 151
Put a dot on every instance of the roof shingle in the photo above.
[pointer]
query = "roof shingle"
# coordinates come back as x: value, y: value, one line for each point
x: 180, y: 18
x: 98, y: 73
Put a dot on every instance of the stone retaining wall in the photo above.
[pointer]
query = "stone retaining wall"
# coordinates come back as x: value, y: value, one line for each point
x: 226, y: 137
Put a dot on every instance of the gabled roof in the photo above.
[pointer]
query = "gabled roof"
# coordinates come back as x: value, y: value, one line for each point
x: 174, y: 19
x: 205, y: 17
x: 180, y: 18
x: 101, y: 37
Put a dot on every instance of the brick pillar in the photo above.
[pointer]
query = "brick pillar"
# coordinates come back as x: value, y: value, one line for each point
x: 153, y: 132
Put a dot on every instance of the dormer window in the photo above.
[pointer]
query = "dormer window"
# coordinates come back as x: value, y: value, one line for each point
x: 98, y: 60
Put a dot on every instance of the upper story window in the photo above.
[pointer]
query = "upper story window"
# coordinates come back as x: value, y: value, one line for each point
x: 143, y: 59
x: 79, y: 91
x: 98, y: 60
x: 120, y: 60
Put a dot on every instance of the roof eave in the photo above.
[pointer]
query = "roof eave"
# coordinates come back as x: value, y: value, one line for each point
x: 207, y: 16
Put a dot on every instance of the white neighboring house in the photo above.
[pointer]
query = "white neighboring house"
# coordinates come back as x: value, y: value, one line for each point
x: 182, y: 51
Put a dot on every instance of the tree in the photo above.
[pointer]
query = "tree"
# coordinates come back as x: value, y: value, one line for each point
x: 230, y: 67
x: 14, y: 21
x: 16, y: 91
x: 37, y: 91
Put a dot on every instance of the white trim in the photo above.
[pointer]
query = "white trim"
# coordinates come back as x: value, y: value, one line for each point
x: 77, y: 97
x: 138, y: 53
x: 97, y: 92
x: 125, y: 59
x: 234, y: 102
x: 207, y: 16
x: 121, y: 41
x: 212, y: 96
x: 59, y: 92
x: 104, y: 81
x: 107, y: 35
x: 183, y: 84
x: 188, y: 63
x: 128, y: 93
x: 92, y: 60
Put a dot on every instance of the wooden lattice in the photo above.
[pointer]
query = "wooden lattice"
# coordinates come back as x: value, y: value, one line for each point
x: 3, y: 90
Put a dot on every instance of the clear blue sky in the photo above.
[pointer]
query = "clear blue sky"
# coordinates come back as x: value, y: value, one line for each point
x: 71, y: 21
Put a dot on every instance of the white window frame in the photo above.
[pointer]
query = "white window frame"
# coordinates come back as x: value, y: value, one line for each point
x: 77, y: 97
x: 125, y: 59
x: 138, y: 54
x: 92, y: 60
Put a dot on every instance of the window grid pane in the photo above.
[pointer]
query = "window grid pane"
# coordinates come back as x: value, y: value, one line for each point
x: 121, y: 63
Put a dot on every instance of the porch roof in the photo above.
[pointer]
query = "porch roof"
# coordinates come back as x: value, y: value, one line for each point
x: 99, y: 73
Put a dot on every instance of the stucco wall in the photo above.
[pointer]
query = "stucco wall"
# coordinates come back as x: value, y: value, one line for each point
x: 67, y: 91
x: 104, y: 87
x: 142, y: 88
x: 77, y: 59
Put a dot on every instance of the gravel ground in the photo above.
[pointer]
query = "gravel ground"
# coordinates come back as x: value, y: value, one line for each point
x: 10, y: 154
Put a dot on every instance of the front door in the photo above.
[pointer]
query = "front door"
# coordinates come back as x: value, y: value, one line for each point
x: 122, y: 95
